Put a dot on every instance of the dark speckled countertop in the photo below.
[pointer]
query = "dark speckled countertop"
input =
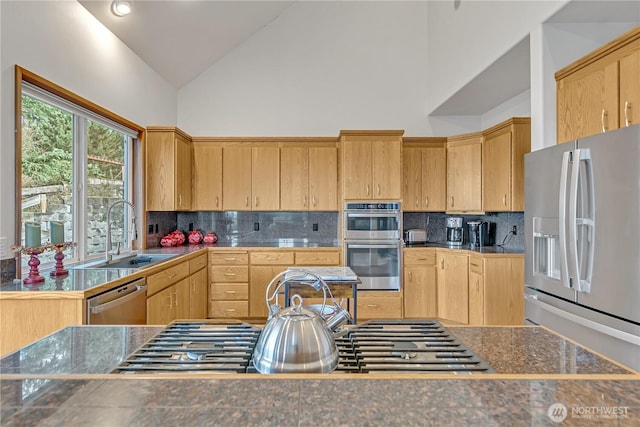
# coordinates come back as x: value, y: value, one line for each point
x: 62, y: 380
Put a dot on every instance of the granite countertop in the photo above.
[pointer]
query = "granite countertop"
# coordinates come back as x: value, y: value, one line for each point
x: 535, y: 370
x: 495, y: 249
x: 81, y: 280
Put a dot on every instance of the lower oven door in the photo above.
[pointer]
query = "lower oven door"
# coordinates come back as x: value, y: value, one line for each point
x: 124, y: 305
x: 376, y: 263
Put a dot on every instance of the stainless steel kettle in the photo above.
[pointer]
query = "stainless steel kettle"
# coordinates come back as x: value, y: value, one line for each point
x: 295, y: 339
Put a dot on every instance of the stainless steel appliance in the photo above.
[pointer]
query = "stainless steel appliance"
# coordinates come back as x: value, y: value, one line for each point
x: 373, y: 244
x: 124, y: 305
x: 455, y: 235
x: 415, y: 235
x: 481, y: 233
x: 582, y: 242
x: 382, y: 346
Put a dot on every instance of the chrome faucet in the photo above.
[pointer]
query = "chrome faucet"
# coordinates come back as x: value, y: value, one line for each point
x: 108, y: 254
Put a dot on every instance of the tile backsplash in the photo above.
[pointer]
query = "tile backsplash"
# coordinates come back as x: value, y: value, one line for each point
x: 435, y: 224
x: 242, y: 226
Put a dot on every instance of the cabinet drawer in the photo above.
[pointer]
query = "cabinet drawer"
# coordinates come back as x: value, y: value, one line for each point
x: 267, y: 258
x: 476, y: 265
x: 228, y: 258
x: 160, y: 280
x: 229, y: 291
x: 228, y: 309
x: 317, y: 258
x: 421, y: 257
x: 197, y: 263
x: 229, y: 273
x: 379, y: 308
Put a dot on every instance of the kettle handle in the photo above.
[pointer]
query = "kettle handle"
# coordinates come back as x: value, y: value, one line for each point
x: 298, y: 276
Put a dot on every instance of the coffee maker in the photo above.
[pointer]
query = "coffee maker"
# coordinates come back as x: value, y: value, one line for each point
x: 481, y: 233
x: 454, y: 231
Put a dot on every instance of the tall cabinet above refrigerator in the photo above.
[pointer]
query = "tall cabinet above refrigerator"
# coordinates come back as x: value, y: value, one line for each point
x: 582, y: 244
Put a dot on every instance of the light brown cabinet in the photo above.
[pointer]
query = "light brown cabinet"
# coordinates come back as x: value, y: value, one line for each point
x: 265, y: 265
x: 424, y: 168
x: 503, y: 150
x: 420, y: 283
x: 496, y: 290
x: 600, y: 91
x: 464, y: 173
x: 379, y: 305
x: 168, y: 169
x: 198, y: 287
x: 229, y: 284
x: 309, y: 178
x: 251, y: 178
x: 207, y: 177
x: 453, y: 286
x: 168, y: 294
x: 371, y: 165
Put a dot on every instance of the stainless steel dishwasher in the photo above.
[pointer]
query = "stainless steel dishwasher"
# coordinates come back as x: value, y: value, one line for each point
x: 124, y: 305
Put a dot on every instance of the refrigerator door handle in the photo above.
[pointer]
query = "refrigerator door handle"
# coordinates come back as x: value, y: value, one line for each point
x: 562, y: 220
x: 604, y: 329
x: 586, y: 220
x: 574, y: 269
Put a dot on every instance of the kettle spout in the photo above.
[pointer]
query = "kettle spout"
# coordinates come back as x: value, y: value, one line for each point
x: 339, y: 317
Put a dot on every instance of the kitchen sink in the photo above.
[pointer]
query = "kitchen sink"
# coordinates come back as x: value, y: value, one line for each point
x: 135, y: 262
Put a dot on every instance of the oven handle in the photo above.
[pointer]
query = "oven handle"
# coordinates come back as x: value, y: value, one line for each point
x: 372, y: 215
x: 371, y: 245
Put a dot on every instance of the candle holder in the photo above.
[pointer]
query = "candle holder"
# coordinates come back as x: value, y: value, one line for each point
x: 34, y: 274
x: 59, y: 256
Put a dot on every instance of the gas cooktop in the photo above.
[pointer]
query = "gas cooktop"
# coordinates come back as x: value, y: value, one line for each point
x: 377, y: 346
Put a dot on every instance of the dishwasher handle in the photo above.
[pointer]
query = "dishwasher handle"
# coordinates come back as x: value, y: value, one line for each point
x: 109, y: 305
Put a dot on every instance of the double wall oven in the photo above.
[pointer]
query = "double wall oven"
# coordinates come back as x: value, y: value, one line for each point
x: 373, y: 243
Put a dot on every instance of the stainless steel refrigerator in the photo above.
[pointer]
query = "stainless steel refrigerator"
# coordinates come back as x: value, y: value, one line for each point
x: 582, y: 242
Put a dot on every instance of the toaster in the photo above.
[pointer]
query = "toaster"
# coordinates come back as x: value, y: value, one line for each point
x: 415, y: 235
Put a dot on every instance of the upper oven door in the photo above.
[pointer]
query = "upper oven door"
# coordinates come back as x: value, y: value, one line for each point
x: 381, y: 221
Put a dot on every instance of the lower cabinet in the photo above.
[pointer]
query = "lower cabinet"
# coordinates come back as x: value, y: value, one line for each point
x: 379, y: 305
x: 420, y: 283
x: 198, y: 288
x: 265, y: 265
x: 496, y: 290
x: 168, y: 294
x: 453, y: 286
x: 229, y: 284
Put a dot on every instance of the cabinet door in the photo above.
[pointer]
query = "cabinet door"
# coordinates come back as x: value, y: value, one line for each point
x: 434, y: 179
x: 160, y: 176
x: 464, y: 178
x: 294, y: 179
x: 630, y: 89
x: 182, y: 298
x: 236, y: 178
x: 207, y: 177
x: 323, y: 178
x: 476, y: 299
x: 261, y: 276
x: 356, y: 170
x: 453, y: 287
x: 412, y: 179
x: 496, y: 155
x: 504, y: 291
x: 587, y: 104
x: 420, y: 291
x: 386, y: 169
x: 160, y: 307
x: 198, y: 298
x: 265, y: 178
x: 183, y: 174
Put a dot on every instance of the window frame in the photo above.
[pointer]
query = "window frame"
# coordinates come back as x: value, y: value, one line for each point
x: 104, y: 117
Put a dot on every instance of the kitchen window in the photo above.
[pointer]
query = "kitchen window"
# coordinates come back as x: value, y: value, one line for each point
x: 74, y: 164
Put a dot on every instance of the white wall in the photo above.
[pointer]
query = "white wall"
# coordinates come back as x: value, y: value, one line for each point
x: 320, y: 67
x: 62, y: 42
x: 465, y: 37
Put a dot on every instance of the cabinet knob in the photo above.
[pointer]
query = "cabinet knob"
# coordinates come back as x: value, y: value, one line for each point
x: 367, y: 189
x: 442, y: 264
x: 313, y: 200
x: 229, y: 274
x: 504, y: 200
x: 452, y: 201
x: 256, y: 201
x: 426, y: 202
x: 627, y: 107
x: 378, y: 189
x: 304, y: 201
x: 246, y: 201
x: 230, y: 292
x: 603, y: 114
x: 217, y: 201
x: 372, y: 306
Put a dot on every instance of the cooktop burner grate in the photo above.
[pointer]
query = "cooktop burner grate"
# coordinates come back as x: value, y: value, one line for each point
x: 192, y: 347
x: 378, y: 346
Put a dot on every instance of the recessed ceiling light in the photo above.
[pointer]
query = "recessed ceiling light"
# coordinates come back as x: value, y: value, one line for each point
x: 121, y: 7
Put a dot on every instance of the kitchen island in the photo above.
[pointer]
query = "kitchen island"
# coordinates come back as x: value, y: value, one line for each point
x: 64, y: 379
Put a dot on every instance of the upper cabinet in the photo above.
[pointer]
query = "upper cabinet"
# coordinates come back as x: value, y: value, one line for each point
x: 424, y: 174
x: 309, y: 178
x: 251, y: 178
x: 371, y: 165
x: 600, y: 91
x: 464, y: 173
x: 503, y: 151
x: 207, y: 177
x: 168, y: 169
